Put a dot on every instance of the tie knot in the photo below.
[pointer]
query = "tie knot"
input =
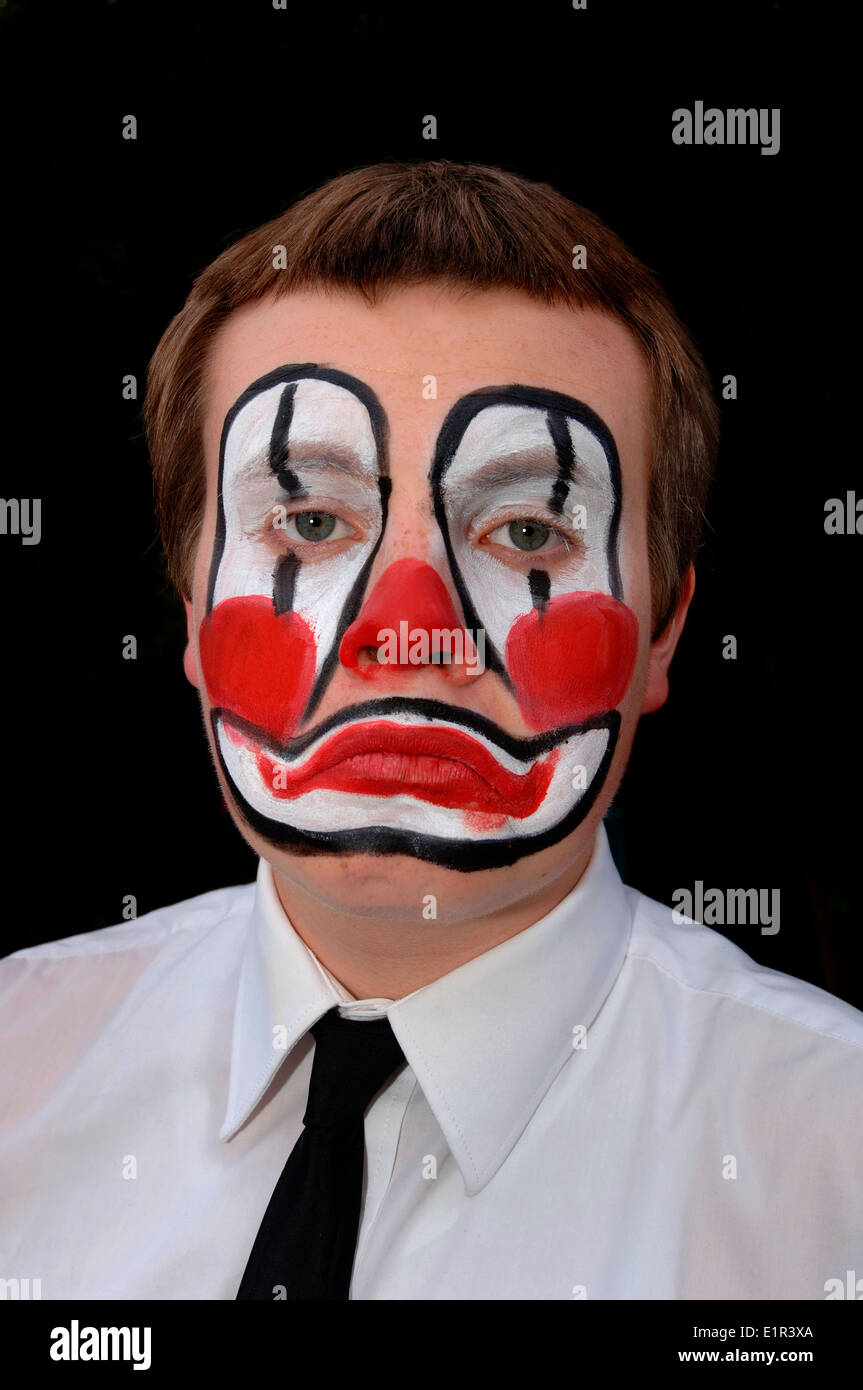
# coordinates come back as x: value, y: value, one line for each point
x: 352, y: 1060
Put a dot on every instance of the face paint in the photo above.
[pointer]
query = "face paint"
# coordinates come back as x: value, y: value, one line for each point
x: 410, y: 586
x: 394, y: 774
x: 568, y: 642
x: 572, y: 659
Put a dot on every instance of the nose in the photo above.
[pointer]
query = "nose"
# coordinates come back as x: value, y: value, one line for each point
x: 409, y: 620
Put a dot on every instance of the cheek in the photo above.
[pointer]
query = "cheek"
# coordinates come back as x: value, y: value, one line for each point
x: 259, y: 666
x: 572, y: 661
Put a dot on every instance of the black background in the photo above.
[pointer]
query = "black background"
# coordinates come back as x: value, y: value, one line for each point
x: 748, y: 777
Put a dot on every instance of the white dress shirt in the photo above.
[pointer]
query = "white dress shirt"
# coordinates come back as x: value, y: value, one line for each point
x: 606, y: 1106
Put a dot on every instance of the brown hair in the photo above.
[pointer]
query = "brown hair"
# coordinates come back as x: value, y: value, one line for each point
x: 396, y: 223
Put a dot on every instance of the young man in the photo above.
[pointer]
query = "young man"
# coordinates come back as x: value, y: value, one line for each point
x: 431, y: 452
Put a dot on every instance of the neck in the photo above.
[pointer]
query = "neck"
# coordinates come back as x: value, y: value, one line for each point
x: 388, y: 951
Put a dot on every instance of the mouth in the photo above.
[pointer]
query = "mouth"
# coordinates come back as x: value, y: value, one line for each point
x: 381, y: 758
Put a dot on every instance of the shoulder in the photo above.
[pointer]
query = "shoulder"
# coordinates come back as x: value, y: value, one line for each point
x: 769, y: 1068
x: 707, y: 971
x: 132, y: 1001
x: 193, y: 919
x: 63, y: 993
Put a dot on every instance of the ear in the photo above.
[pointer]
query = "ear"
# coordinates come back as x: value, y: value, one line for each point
x: 662, y: 650
x: 190, y: 660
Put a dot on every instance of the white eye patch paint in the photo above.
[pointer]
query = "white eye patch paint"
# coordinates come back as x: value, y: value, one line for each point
x: 331, y: 454
x: 506, y: 462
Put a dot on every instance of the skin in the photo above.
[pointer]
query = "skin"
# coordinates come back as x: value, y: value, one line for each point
x: 362, y: 914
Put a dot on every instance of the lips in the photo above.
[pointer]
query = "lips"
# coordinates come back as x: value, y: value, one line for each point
x: 441, y: 766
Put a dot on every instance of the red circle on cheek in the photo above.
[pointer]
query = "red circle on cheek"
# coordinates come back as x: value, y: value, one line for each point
x: 258, y: 665
x: 572, y: 661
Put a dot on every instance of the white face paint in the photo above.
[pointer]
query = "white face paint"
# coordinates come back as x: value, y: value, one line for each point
x: 395, y: 773
x: 506, y: 467
x: 333, y: 458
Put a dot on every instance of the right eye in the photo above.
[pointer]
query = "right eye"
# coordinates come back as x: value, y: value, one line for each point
x: 314, y: 526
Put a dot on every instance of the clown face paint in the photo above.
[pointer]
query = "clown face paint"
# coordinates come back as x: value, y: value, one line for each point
x: 306, y: 447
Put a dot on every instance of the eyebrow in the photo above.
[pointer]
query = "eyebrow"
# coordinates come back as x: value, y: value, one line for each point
x: 327, y: 453
x: 503, y: 471
x: 311, y: 454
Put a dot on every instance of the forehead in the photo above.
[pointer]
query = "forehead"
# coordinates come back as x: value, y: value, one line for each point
x: 463, y: 340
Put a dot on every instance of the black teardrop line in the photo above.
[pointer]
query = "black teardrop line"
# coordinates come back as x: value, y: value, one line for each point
x: 279, y: 443
x: 540, y: 589
x: 284, y: 582
x: 558, y: 428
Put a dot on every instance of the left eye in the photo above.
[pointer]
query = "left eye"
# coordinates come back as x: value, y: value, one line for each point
x: 525, y: 533
x: 315, y: 526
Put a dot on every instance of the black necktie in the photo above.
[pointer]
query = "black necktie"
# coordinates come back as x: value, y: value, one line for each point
x: 307, y: 1240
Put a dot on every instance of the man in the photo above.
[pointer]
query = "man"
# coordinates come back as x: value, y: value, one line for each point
x: 431, y: 452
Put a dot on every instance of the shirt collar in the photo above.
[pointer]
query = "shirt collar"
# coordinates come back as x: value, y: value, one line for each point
x: 485, y: 1041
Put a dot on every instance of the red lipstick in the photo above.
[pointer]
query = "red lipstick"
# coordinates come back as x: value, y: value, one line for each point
x: 442, y: 766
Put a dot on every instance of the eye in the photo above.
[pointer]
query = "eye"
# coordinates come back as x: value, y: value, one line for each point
x: 525, y: 533
x: 314, y: 526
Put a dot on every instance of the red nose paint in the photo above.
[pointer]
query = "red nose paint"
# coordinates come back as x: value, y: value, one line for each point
x: 258, y: 665
x: 408, y: 591
x: 573, y: 660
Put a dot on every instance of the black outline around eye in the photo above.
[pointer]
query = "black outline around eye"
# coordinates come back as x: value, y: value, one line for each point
x: 291, y: 375
x: 557, y: 407
x: 305, y: 371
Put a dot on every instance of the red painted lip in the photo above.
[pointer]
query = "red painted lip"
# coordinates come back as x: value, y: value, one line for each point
x: 443, y: 766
